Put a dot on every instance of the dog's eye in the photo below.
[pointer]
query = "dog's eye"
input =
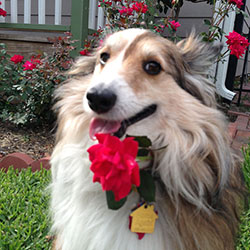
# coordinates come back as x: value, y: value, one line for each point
x: 104, y: 58
x: 152, y: 67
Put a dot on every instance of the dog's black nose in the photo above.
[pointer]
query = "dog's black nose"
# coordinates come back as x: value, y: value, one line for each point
x: 101, y: 100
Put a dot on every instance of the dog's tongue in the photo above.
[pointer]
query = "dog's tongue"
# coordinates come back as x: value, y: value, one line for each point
x: 100, y: 126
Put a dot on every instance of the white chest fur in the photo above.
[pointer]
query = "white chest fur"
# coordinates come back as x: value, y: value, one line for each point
x: 81, y: 216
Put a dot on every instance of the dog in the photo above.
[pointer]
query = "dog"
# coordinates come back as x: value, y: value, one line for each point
x: 139, y: 83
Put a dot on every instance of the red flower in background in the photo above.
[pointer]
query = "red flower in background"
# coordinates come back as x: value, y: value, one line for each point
x: 84, y: 52
x: 36, y: 59
x: 140, y: 7
x: 3, y: 12
x: 29, y: 66
x: 105, y: 2
x: 126, y: 11
x: 237, y: 44
x: 114, y: 165
x: 16, y: 59
x: 174, y: 24
x: 238, y: 3
x: 159, y: 28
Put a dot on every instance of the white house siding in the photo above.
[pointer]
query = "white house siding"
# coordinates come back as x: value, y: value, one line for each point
x: 192, y: 16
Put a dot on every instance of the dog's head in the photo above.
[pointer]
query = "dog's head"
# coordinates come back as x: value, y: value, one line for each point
x: 139, y: 76
x: 139, y: 83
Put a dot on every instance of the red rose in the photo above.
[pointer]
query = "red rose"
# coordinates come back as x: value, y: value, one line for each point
x: 237, y: 44
x: 174, y: 24
x: 114, y: 165
x: 29, y: 66
x: 16, y: 59
x: 3, y: 12
x: 238, y: 3
x: 84, y: 52
x: 126, y: 11
x: 140, y: 7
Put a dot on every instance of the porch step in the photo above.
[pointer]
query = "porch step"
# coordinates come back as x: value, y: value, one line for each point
x: 27, y: 43
x: 30, y: 36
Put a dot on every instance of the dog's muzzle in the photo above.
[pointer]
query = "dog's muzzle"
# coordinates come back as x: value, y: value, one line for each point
x: 118, y: 128
x: 101, y: 100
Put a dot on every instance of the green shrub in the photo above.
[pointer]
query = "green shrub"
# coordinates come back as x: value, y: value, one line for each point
x: 244, y: 235
x: 24, y: 221
x: 26, y: 88
x: 246, y: 165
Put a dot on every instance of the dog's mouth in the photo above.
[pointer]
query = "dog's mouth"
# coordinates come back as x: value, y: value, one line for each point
x: 118, y: 128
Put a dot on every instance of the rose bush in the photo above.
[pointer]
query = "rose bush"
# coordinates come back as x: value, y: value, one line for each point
x: 26, y: 87
x: 114, y: 165
x: 132, y: 14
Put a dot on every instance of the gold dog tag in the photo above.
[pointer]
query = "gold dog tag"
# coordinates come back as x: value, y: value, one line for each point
x: 143, y: 219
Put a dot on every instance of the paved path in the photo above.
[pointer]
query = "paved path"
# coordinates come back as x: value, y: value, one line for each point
x: 240, y: 132
x: 240, y: 129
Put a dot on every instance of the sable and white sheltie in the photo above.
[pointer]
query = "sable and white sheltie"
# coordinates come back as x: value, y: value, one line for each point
x: 139, y: 83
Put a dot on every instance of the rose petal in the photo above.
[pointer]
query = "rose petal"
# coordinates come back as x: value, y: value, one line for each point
x: 94, y: 151
x: 130, y: 146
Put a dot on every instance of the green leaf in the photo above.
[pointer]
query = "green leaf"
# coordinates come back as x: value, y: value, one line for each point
x: 143, y: 158
x: 142, y: 152
x: 165, y: 9
x: 143, y: 155
x: 144, y: 141
x: 10, y: 98
x: 207, y: 22
x: 112, y: 203
x: 244, y: 13
x: 147, y: 187
x: 159, y: 7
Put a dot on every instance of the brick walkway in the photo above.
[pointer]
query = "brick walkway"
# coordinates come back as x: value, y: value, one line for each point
x: 240, y: 129
x: 240, y: 132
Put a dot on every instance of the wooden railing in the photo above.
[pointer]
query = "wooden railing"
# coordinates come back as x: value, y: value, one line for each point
x: 85, y: 17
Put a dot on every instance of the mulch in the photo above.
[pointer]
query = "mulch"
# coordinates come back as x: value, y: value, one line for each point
x: 37, y: 142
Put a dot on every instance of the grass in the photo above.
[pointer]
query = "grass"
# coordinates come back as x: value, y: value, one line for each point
x: 243, y: 242
x: 24, y: 221
x: 246, y: 165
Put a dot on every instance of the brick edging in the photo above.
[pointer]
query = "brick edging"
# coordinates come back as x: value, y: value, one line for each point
x: 22, y: 161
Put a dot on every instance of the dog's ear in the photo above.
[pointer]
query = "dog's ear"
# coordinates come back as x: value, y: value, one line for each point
x: 198, y: 55
x: 84, y: 65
